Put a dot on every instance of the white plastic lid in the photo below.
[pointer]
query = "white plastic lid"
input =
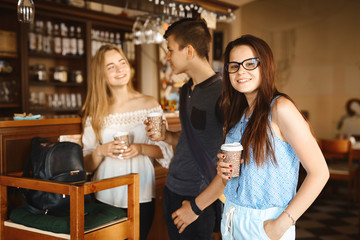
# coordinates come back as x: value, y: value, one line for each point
x: 118, y: 134
x: 154, y: 114
x: 235, y: 146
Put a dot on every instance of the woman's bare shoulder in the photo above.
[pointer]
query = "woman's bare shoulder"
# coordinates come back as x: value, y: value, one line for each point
x: 285, y: 110
x: 283, y: 105
x: 146, y: 101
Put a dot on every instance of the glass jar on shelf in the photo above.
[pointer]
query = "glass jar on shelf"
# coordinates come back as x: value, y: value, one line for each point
x: 39, y: 72
x: 60, y: 74
x: 76, y: 76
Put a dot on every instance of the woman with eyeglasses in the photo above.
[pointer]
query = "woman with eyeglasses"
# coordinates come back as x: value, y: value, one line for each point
x: 263, y: 202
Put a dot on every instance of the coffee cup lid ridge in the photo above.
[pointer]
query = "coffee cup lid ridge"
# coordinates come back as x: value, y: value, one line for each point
x: 154, y: 114
x: 119, y: 133
x: 235, y: 146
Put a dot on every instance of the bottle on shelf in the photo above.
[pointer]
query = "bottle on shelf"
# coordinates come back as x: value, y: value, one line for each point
x: 126, y: 46
x: 65, y: 40
x: 101, y: 39
x: 57, y: 40
x: 129, y: 47
x: 39, y: 35
x: 73, y: 45
x: 106, y: 39
x: 32, y: 38
x: 80, y: 42
x: 112, y: 38
x: 93, y: 42
x: 118, y: 40
x: 48, y: 39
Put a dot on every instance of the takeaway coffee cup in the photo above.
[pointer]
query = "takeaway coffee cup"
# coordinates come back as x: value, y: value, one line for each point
x: 123, y: 137
x: 233, y: 155
x: 155, y: 119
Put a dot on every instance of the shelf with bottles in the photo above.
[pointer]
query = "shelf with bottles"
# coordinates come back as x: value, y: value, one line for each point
x: 56, y: 71
x: 49, y: 100
x: 56, y: 84
x: 53, y: 37
x: 101, y: 35
x: 56, y: 75
x: 45, y: 55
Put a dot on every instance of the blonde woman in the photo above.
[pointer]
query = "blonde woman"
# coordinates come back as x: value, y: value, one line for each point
x: 113, y: 105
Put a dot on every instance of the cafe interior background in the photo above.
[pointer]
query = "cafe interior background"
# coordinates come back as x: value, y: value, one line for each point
x: 315, y: 44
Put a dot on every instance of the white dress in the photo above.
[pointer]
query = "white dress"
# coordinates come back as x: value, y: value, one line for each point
x: 132, y: 122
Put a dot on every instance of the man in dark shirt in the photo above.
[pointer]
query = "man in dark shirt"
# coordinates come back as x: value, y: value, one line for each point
x: 188, y: 43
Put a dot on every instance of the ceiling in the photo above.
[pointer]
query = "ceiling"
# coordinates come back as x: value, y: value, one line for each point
x: 238, y: 3
x: 151, y: 6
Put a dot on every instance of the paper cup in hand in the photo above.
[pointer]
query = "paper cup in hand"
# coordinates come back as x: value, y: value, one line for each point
x: 123, y: 137
x: 233, y: 155
x: 155, y: 119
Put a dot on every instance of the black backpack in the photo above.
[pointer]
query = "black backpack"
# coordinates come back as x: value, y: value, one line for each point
x: 59, y: 162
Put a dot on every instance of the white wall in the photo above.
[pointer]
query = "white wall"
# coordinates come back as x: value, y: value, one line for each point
x: 316, y: 45
x: 149, y: 70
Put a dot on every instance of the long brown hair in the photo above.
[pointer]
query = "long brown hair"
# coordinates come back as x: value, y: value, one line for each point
x: 99, y: 95
x: 234, y: 104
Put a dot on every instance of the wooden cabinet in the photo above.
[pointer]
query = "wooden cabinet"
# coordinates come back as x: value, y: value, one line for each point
x: 10, y: 66
x: 36, y: 83
x: 159, y: 229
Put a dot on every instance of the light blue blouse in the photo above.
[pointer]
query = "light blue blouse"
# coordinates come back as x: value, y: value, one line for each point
x: 265, y: 186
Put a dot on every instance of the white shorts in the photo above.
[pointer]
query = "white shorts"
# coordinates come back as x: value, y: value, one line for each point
x: 248, y: 224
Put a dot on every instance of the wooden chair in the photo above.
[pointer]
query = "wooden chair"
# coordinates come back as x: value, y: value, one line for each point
x: 15, y: 148
x: 341, y: 167
x: 126, y: 229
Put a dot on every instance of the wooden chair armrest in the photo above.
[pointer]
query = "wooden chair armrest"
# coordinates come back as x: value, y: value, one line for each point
x: 64, y: 188
x: 35, y: 184
x: 107, y: 183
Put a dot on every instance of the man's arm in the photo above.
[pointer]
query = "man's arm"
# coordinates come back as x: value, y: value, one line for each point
x: 184, y: 216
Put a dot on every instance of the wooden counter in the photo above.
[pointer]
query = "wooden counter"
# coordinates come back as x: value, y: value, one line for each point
x: 16, y: 135
x: 15, y: 148
x: 47, y: 120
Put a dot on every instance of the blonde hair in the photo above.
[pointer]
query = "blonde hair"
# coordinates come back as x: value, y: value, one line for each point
x: 99, y: 95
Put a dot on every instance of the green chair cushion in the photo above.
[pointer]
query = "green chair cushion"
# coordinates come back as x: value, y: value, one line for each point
x: 96, y: 214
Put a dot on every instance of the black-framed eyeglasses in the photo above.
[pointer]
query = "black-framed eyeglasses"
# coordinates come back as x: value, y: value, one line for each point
x: 248, y: 64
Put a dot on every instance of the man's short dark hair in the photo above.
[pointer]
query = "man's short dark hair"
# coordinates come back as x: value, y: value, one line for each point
x: 191, y: 31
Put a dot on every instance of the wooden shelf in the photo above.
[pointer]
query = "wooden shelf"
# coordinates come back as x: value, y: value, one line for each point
x: 9, y: 105
x: 44, y: 55
x: 56, y: 84
x: 54, y: 111
x: 8, y: 55
x: 22, y: 61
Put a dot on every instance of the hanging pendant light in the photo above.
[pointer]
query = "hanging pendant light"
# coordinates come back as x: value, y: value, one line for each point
x: 25, y: 11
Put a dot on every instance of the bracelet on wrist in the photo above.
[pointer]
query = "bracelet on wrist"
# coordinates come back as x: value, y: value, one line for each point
x: 194, y: 207
x: 291, y: 217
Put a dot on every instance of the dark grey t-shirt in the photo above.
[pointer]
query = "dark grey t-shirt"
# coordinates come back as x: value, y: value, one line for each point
x: 184, y: 177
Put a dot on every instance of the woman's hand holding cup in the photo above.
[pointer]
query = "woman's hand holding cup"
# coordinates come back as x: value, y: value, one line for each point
x: 229, y: 160
x: 121, y: 140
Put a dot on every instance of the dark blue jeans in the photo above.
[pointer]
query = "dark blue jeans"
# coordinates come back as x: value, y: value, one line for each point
x: 201, y: 229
